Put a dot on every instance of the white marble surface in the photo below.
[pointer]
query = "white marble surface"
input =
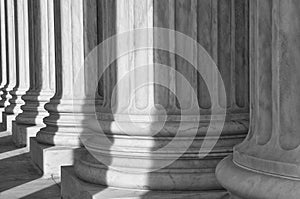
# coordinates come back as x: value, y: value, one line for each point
x: 266, y: 164
x: 49, y: 159
x: 134, y: 149
x: 74, y: 188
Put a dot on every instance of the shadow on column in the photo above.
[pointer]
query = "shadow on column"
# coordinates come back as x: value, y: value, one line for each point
x: 229, y: 41
x: 19, y: 177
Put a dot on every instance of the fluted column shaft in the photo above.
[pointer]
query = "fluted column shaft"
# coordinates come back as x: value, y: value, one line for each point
x: 266, y: 164
x: 11, y: 51
x: 131, y: 112
x: 39, y: 40
x: 21, y: 72
x: 72, y: 106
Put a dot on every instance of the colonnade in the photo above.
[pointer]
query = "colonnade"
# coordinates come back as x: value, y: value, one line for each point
x: 56, y: 92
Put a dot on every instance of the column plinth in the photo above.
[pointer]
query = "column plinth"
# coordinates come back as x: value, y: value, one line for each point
x: 266, y: 164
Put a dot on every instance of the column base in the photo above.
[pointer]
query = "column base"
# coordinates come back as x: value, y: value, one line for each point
x: 73, y: 187
x: 21, y: 133
x: 50, y: 158
x: 244, y: 183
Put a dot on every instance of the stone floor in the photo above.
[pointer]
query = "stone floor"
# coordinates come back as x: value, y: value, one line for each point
x: 19, y: 178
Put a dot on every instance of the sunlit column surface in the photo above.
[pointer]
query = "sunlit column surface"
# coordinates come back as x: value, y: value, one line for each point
x: 130, y: 161
x: 71, y: 107
x: 266, y: 164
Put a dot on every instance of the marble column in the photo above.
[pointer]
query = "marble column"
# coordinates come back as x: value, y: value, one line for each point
x: 131, y: 164
x: 4, y: 65
x: 13, y: 102
x: 21, y: 57
x: 266, y: 164
x: 39, y: 59
x: 11, y: 48
x: 71, y: 107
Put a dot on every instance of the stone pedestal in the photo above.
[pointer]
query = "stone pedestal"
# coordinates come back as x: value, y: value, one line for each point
x: 75, y: 188
x: 40, y: 41
x: 139, y: 118
x: 50, y: 158
x: 266, y: 164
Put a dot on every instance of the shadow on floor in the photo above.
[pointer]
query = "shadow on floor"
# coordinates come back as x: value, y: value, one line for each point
x: 16, y: 170
x: 6, y: 143
x: 46, y: 193
x: 19, y: 177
